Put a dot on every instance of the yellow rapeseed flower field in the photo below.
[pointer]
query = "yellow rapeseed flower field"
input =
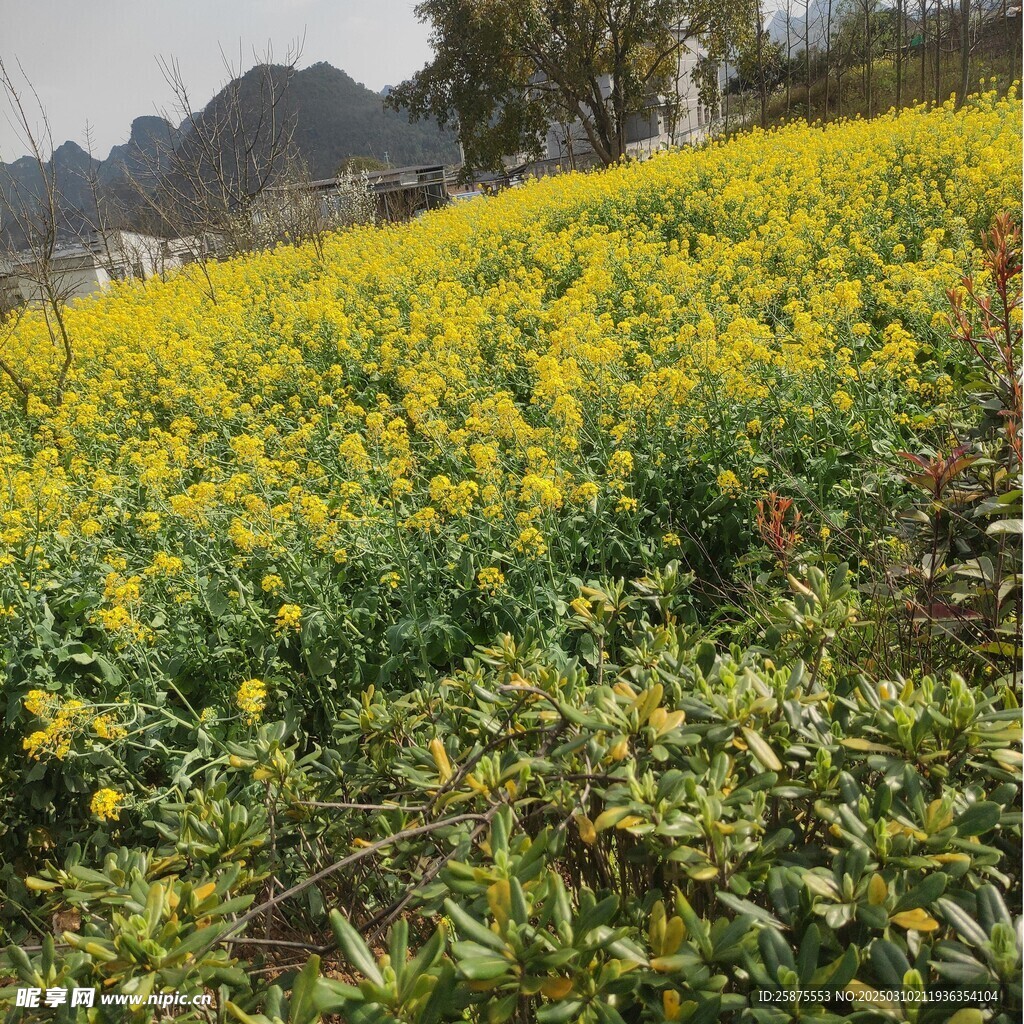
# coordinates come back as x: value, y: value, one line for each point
x: 292, y: 468
x: 595, y: 602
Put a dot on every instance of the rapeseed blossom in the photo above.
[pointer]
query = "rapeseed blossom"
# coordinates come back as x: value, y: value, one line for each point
x: 251, y: 699
x: 64, y: 720
x: 289, y: 617
x: 729, y: 483
x: 106, y: 803
x: 490, y: 580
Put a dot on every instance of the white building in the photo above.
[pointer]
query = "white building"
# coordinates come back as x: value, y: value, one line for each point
x: 82, y: 268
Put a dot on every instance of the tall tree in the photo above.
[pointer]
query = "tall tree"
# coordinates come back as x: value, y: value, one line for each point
x: 39, y: 215
x: 924, y: 49
x: 868, y: 9
x: 807, y: 54
x: 199, y: 183
x: 503, y: 70
x: 762, y: 78
x: 788, y: 9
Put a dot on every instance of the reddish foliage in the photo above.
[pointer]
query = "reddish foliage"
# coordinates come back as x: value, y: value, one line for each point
x: 985, y: 324
x: 940, y: 471
x: 771, y: 524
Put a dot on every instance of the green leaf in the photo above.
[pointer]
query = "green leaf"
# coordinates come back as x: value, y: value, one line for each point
x: 726, y: 938
x: 697, y: 929
x: 707, y: 1012
x: 873, y: 916
x: 560, y: 1012
x: 601, y: 913
x: 968, y: 1015
x: 965, y: 925
x: 775, y: 952
x: 335, y: 996
x: 760, y: 748
x: 472, y: 928
x: 241, y: 1016
x: 742, y: 906
x: 807, y: 958
x: 607, y: 1014
x: 427, y: 956
x: 351, y: 944
x: 484, y: 968
x: 706, y: 656
x: 840, y: 972
x: 302, y: 1008
x: 441, y: 998
x: 1004, y: 526
x: 889, y: 962
x: 676, y: 962
x: 924, y: 894
x: 991, y: 908
x: 978, y: 819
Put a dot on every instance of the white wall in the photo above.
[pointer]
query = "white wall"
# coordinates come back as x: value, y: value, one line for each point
x: 125, y: 255
x: 74, y: 281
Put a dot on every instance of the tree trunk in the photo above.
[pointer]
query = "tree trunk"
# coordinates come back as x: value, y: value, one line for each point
x: 1011, y: 43
x: 899, y: 54
x: 727, y: 89
x: 938, y: 51
x: 789, y: 56
x: 807, y: 53
x: 762, y: 85
x: 924, y: 46
x: 828, y: 52
x: 866, y: 73
x: 965, y: 52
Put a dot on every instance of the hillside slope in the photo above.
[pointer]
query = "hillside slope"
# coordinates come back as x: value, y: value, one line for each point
x: 598, y: 584
x: 512, y: 347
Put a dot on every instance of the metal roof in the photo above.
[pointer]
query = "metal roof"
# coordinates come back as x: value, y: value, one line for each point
x: 394, y: 178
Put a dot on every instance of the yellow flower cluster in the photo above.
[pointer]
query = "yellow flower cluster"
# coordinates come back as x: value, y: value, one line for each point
x: 531, y: 543
x: 63, y: 718
x: 729, y: 483
x: 289, y: 617
x: 271, y: 583
x: 490, y: 580
x: 251, y: 699
x: 41, y: 704
x: 106, y: 804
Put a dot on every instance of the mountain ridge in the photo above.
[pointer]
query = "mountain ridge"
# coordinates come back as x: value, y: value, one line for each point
x: 335, y: 119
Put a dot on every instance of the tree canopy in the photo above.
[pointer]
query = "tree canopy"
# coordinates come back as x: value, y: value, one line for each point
x: 505, y: 69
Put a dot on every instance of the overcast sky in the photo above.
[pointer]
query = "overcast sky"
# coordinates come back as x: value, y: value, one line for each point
x: 95, y: 61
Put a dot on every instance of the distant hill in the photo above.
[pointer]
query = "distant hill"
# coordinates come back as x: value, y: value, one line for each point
x: 20, y: 183
x: 809, y: 25
x: 335, y: 119
x: 151, y: 137
x: 338, y: 118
